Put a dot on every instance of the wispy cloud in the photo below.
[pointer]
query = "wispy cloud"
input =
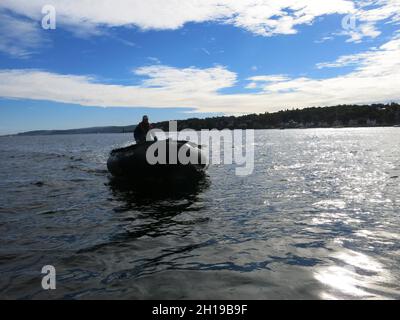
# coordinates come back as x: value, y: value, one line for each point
x: 324, y: 39
x: 19, y: 37
x: 380, y: 59
x: 205, y: 51
x: 269, y: 78
x: 366, y: 16
x: 154, y: 60
x: 348, y: 60
x: 259, y: 82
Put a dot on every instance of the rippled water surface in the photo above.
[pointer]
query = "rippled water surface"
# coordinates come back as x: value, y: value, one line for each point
x: 319, y: 218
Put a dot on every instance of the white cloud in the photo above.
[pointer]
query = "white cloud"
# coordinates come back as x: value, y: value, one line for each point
x: 282, y: 17
x: 163, y: 87
x: 188, y: 80
x: 263, y: 17
x: 376, y: 78
x: 378, y: 10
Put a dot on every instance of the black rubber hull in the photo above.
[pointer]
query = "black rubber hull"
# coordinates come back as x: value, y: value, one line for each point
x: 131, y: 162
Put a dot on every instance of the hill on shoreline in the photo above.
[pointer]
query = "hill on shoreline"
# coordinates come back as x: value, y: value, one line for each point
x: 314, y: 117
x: 111, y: 129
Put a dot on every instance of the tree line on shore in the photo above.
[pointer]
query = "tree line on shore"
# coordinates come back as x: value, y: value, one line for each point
x: 314, y: 117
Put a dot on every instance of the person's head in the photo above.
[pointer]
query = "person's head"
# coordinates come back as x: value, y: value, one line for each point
x: 145, y: 119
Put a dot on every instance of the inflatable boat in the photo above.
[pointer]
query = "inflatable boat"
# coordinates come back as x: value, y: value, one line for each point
x: 171, y: 159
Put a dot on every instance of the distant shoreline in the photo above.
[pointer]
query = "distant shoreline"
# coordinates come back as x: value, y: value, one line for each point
x: 26, y: 134
x: 342, y: 116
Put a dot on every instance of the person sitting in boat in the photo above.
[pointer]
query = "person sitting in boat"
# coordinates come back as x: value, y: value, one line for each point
x: 142, y: 129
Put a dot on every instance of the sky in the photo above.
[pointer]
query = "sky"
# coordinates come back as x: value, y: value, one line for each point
x: 74, y: 64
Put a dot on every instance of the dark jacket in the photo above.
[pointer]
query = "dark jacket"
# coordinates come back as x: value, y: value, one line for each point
x: 141, y: 131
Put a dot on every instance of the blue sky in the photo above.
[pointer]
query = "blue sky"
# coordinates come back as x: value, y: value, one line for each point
x: 110, y: 62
